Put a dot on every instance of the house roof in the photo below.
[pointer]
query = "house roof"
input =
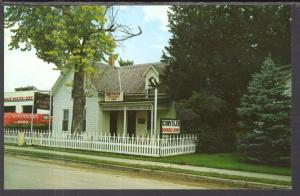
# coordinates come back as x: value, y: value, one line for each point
x: 129, y: 78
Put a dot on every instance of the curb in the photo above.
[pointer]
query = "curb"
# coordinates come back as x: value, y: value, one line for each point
x: 156, y: 172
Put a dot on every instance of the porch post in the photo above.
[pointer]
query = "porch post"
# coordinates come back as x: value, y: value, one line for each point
x: 125, y: 120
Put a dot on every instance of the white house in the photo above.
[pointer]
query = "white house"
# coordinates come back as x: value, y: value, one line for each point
x: 131, y: 113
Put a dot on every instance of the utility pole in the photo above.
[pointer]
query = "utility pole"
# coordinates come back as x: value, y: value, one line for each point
x: 32, y: 108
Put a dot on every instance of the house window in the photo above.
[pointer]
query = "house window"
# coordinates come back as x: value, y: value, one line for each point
x: 65, y: 121
x: 84, y: 120
x: 149, y: 120
x: 27, y: 108
x: 150, y: 93
x: 9, y: 108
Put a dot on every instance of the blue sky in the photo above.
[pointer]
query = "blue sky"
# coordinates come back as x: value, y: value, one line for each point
x: 148, y: 46
x: 25, y: 69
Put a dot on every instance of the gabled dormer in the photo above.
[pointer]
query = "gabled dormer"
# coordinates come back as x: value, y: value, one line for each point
x: 148, y: 73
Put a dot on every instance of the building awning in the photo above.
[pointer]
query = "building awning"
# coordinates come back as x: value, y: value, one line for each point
x: 142, y: 105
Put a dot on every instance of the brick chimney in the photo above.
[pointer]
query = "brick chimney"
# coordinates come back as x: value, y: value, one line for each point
x: 111, y: 60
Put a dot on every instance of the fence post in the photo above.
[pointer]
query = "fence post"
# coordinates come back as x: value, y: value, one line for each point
x: 158, y: 142
x: 41, y: 138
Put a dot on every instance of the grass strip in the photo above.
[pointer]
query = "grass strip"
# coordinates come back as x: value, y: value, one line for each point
x: 153, y: 168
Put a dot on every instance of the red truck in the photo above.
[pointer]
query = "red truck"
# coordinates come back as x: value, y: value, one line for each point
x: 12, y: 118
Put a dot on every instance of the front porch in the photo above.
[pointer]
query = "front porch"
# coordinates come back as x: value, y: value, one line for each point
x: 133, y: 119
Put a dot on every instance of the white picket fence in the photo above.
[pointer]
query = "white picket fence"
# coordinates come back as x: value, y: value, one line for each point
x: 156, y: 147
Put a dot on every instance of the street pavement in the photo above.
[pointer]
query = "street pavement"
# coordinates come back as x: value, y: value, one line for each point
x: 149, y: 163
x: 26, y: 173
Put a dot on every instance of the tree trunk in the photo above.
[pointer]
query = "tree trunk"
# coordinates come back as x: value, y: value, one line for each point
x: 78, y: 96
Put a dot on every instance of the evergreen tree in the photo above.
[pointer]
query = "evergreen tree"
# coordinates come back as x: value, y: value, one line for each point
x: 125, y: 62
x: 207, y: 113
x: 265, y: 114
x: 213, y: 51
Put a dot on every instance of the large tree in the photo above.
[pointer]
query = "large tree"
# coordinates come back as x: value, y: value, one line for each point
x: 214, y: 50
x: 69, y: 37
x: 265, y: 115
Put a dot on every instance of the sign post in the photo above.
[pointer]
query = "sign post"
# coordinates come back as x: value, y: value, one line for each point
x: 50, y: 111
x: 32, y: 109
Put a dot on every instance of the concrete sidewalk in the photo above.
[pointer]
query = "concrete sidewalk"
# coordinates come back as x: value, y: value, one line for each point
x: 159, y: 164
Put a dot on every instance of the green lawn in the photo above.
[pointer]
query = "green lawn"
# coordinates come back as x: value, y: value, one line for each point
x: 232, y: 161
x: 221, y: 160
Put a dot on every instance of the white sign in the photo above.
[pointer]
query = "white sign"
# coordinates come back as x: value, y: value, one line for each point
x: 169, y: 126
x: 114, y: 96
x: 26, y: 98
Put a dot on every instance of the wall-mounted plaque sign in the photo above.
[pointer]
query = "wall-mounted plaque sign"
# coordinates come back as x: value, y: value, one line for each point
x: 113, y: 96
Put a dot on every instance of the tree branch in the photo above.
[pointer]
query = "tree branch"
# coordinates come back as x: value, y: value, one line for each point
x: 128, y: 33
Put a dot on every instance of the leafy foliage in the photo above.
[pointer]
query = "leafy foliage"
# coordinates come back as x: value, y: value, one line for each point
x: 125, y: 62
x: 26, y: 88
x: 265, y: 115
x: 62, y: 35
x: 71, y: 37
x: 214, y: 50
x: 205, y: 112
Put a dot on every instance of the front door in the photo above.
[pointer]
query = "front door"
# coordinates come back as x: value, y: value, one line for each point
x: 113, y: 122
x: 131, y: 123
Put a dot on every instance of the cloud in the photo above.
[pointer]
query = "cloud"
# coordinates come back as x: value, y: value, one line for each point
x: 156, y: 13
x: 25, y: 69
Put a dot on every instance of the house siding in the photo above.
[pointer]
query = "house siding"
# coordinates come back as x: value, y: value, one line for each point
x: 92, y: 113
x: 62, y: 100
x: 162, y: 114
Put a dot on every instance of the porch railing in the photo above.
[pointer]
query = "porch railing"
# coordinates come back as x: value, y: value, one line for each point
x: 156, y: 147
